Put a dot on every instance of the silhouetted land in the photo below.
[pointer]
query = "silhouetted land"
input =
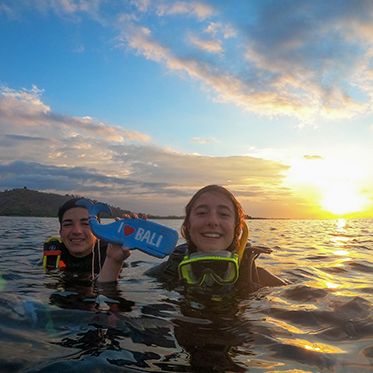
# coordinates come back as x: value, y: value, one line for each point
x: 27, y: 202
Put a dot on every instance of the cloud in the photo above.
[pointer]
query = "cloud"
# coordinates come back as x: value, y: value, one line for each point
x: 216, y: 28
x: 29, y: 129
x: 199, y: 9
x: 227, y: 87
x: 24, y: 104
x: 295, y: 58
x: 302, y: 59
x: 203, y: 141
x: 211, y: 46
x: 313, y: 157
x: 44, y: 150
x: 314, y: 52
x: 141, y: 5
x: 62, y: 8
x: 157, y: 164
x: 63, y: 179
x: 23, y: 116
x: 8, y: 11
x: 166, y: 194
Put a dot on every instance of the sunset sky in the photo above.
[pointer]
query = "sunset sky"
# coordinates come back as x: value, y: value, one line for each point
x: 141, y: 103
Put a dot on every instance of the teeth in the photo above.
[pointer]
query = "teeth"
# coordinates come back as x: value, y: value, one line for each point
x: 211, y: 235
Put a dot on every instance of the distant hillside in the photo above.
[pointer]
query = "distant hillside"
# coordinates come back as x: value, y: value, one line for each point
x: 25, y: 202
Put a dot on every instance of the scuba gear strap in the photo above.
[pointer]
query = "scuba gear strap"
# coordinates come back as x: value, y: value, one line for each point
x: 242, y: 242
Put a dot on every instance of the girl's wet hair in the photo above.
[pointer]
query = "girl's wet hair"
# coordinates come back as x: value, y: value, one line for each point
x: 238, y: 210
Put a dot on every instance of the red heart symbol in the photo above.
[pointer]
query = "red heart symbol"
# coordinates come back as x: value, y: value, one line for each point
x: 128, y: 230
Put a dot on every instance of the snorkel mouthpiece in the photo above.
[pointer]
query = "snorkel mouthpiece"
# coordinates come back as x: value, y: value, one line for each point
x: 152, y: 238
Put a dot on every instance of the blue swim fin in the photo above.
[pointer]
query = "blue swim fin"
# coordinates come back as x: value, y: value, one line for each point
x: 150, y: 237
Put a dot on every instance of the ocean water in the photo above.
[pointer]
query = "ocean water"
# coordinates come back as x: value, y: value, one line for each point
x: 321, y: 322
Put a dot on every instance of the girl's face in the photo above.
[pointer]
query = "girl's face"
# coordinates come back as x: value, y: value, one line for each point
x: 212, y: 222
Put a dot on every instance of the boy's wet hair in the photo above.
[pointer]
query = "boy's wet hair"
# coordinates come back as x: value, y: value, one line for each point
x: 69, y: 204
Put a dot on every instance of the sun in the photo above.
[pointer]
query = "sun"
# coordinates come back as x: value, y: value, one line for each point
x: 342, y: 199
x: 331, y: 186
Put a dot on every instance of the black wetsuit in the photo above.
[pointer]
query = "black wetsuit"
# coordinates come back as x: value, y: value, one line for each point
x: 84, y: 264
x: 68, y: 262
x: 75, y: 283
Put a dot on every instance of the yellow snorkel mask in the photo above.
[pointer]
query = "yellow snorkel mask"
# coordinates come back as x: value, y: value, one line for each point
x: 198, y: 268
x: 221, y: 267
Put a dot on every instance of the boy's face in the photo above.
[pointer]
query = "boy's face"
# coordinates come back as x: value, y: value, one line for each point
x: 75, y: 232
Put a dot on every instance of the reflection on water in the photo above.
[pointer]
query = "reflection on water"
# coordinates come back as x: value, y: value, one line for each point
x: 322, y: 321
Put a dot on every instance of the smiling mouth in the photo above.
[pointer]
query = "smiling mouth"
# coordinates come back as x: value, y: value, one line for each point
x: 211, y: 235
x: 77, y: 240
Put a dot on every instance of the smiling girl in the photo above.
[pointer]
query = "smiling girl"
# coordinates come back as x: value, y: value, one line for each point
x: 216, y: 251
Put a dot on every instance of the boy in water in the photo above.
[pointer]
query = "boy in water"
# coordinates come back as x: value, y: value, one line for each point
x: 79, y: 251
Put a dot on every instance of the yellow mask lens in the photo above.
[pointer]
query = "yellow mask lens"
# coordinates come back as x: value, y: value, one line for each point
x: 222, y: 267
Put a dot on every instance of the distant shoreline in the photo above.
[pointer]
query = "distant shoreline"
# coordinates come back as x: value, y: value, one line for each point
x: 147, y: 216
x: 25, y: 202
x: 181, y: 217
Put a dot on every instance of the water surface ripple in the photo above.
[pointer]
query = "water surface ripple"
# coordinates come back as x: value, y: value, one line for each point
x: 321, y: 322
